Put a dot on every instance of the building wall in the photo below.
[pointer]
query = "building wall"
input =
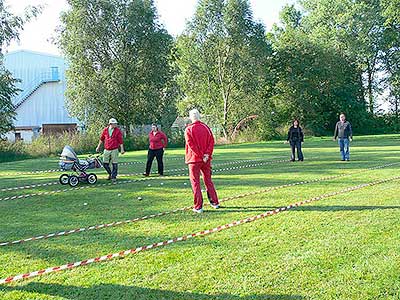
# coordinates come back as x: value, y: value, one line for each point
x: 27, y: 65
x: 26, y: 135
x: 45, y: 106
x: 47, y: 103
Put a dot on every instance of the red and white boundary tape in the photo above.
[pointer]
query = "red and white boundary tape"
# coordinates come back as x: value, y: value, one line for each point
x: 117, y: 223
x: 36, y: 185
x: 188, y: 236
x: 128, y: 181
x: 58, y: 170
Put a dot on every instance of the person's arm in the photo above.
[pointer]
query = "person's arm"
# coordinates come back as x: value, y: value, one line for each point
x: 288, y: 136
x: 102, y: 137
x: 210, y: 147
x: 336, y: 132
x: 191, y: 144
x: 350, y: 132
x: 121, y: 142
x: 165, y: 140
x: 301, y: 135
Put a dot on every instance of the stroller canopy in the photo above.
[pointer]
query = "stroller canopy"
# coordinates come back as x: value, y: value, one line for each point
x: 69, y: 153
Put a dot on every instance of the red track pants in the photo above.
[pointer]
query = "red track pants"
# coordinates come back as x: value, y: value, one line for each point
x: 194, y: 173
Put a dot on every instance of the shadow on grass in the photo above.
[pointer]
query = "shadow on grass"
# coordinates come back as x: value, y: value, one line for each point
x: 115, y: 291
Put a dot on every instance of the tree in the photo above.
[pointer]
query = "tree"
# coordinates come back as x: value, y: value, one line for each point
x: 119, y: 62
x: 354, y: 28
x: 10, y: 26
x: 222, y: 58
x: 392, y: 56
x: 313, y: 82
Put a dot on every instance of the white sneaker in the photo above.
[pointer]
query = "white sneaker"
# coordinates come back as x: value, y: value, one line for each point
x: 199, y: 211
x: 216, y: 206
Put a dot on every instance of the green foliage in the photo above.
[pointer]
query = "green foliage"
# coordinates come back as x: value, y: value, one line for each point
x: 330, y: 59
x: 315, y: 83
x: 222, y: 57
x: 12, y: 151
x: 10, y: 27
x: 342, y: 247
x: 356, y: 29
x: 52, y: 145
x: 120, y: 63
x: 48, y: 145
x: 7, y: 91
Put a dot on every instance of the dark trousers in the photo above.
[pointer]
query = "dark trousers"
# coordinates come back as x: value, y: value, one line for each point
x: 158, y: 154
x: 114, y: 171
x: 293, y: 146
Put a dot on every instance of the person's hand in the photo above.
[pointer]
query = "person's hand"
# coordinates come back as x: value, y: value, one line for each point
x: 97, y: 149
x: 334, y: 139
x: 206, y: 157
x: 122, y: 152
x: 286, y: 142
x: 350, y: 139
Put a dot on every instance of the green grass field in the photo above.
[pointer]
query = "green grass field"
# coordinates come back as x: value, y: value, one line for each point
x: 342, y: 247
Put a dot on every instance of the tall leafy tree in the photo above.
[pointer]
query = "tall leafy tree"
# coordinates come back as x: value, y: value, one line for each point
x: 119, y: 62
x: 314, y: 82
x: 354, y: 28
x: 222, y: 59
x: 10, y: 26
x: 391, y: 12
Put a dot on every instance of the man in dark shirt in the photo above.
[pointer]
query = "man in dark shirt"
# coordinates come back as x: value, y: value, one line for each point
x: 344, y: 135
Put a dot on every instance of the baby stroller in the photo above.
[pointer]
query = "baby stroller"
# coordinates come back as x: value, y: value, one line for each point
x: 69, y: 161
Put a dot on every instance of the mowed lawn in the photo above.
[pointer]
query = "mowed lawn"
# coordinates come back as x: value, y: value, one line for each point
x: 341, y: 247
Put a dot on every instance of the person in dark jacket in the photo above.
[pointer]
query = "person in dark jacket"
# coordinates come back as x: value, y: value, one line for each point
x: 295, y: 138
x: 158, y: 142
x: 344, y: 135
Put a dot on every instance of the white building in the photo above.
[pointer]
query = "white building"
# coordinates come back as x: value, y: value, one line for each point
x: 40, y: 105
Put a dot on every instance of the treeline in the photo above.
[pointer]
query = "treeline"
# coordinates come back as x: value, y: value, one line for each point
x: 324, y: 57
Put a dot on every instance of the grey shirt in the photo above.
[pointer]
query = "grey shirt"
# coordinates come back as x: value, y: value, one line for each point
x: 343, y: 130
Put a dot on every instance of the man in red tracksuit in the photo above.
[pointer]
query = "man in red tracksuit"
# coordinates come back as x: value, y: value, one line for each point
x: 199, y: 148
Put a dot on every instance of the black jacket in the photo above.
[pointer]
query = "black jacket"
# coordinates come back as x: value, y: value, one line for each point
x: 295, y: 134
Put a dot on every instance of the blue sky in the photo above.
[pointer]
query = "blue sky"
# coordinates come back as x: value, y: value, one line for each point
x: 173, y: 14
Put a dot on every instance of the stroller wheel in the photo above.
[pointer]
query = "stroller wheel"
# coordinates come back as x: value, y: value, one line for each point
x: 92, y: 178
x: 64, y: 179
x: 73, y: 180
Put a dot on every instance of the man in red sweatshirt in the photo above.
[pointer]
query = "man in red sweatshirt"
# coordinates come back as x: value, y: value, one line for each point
x: 199, y: 148
x: 111, y: 136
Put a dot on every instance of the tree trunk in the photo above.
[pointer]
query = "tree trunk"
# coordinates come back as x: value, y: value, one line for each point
x: 225, y: 97
x: 370, y: 88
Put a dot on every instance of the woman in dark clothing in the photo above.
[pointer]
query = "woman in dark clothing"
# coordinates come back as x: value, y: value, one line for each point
x: 295, y: 138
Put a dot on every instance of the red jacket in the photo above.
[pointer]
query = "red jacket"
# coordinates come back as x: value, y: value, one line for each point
x: 113, y: 142
x: 158, y: 141
x: 199, y: 141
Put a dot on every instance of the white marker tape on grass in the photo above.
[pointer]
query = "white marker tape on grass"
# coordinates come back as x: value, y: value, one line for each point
x: 121, y: 182
x: 36, y: 185
x: 188, y: 236
x: 113, y: 224
x: 59, y: 170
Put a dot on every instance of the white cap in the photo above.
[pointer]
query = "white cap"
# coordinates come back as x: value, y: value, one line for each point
x: 112, y: 121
